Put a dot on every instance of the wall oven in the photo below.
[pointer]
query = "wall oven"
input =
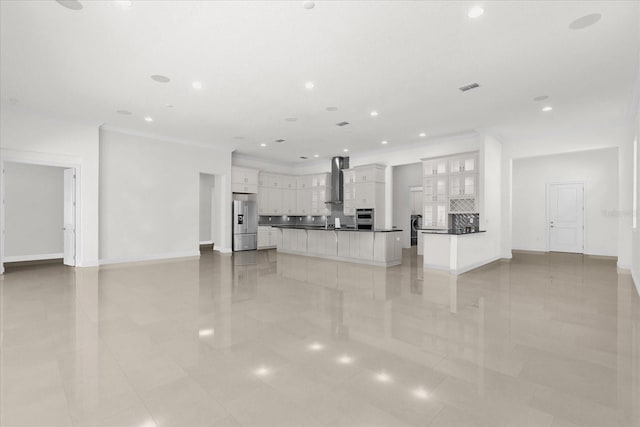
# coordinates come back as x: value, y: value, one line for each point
x: 364, y: 219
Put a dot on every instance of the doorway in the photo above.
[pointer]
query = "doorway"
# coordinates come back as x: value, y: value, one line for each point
x: 207, y: 228
x: 565, y: 217
x: 38, y: 212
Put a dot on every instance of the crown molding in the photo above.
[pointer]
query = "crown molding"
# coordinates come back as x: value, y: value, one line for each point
x: 163, y: 138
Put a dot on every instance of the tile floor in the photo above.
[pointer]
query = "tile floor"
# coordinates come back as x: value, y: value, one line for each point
x: 262, y: 339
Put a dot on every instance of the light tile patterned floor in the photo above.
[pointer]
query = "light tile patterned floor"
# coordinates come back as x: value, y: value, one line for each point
x: 262, y: 339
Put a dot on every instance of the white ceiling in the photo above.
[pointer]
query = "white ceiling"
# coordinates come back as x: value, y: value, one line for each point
x: 405, y: 60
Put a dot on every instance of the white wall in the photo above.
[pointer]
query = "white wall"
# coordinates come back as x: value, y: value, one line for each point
x: 405, y: 177
x: 597, y: 169
x: 34, y: 210
x: 32, y: 138
x: 635, y: 258
x: 567, y: 141
x: 149, y: 196
x: 207, y: 185
x: 491, y: 196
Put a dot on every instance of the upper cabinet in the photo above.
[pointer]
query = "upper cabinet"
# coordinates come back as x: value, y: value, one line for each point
x: 435, y: 166
x: 450, y: 186
x: 364, y: 188
x: 464, y: 163
x: 244, y: 180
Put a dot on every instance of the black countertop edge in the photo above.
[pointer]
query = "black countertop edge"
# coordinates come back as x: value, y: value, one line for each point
x: 450, y: 232
x: 305, y: 227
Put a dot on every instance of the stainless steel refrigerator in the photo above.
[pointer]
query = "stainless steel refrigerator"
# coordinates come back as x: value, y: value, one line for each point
x: 245, y: 225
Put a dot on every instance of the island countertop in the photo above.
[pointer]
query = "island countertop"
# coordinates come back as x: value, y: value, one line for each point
x: 322, y: 228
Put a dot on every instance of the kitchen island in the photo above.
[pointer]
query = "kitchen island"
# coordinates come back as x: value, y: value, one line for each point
x: 454, y: 251
x: 374, y: 247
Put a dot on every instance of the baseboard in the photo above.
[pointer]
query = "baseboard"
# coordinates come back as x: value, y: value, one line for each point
x: 39, y: 257
x: 222, y: 250
x: 156, y: 257
x: 206, y: 242
x: 623, y: 266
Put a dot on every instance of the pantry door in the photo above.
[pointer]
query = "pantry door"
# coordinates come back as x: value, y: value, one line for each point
x: 565, y: 217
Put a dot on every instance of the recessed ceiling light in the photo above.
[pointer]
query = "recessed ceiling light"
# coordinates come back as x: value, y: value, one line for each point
x: 197, y: 85
x: 316, y: 155
x: 547, y: 108
x: 422, y: 134
x: 291, y: 119
x: 346, y: 150
x: 148, y: 119
x: 160, y: 79
x: 475, y: 12
x: 309, y: 85
x: 373, y: 113
x: 585, y: 21
x: 263, y: 145
x: 331, y: 108
x: 124, y: 112
x: 309, y: 5
x: 384, y: 142
x: 540, y: 98
x: 70, y: 4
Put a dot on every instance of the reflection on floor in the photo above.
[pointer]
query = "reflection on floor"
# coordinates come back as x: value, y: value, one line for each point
x: 261, y: 339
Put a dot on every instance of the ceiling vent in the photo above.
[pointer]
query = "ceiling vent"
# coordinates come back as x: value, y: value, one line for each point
x: 342, y: 124
x: 469, y: 87
x: 279, y: 140
x: 304, y: 157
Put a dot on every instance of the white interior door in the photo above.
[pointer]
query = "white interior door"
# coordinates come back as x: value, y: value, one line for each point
x: 69, y: 227
x: 566, y: 217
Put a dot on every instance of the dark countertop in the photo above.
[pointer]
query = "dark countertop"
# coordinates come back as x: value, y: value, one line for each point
x: 321, y: 228
x: 449, y: 232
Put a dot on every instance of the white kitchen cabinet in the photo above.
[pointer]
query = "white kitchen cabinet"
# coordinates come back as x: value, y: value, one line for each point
x: 435, y: 215
x: 268, y: 237
x: 462, y: 184
x: 349, y: 176
x: 289, y: 202
x: 432, y: 167
x: 343, y: 243
x: 365, y: 241
x: 303, y: 201
x: 276, y: 194
x: 304, y: 182
x: 464, y: 163
x: 244, y: 180
x: 364, y: 189
x: 450, y: 186
x: 435, y: 189
x: 416, y: 202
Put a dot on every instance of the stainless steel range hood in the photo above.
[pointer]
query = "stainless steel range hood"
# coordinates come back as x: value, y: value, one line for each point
x: 337, y: 180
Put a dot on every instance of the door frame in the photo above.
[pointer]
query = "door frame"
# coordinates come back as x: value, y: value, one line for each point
x: 547, y: 215
x: 7, y: 158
